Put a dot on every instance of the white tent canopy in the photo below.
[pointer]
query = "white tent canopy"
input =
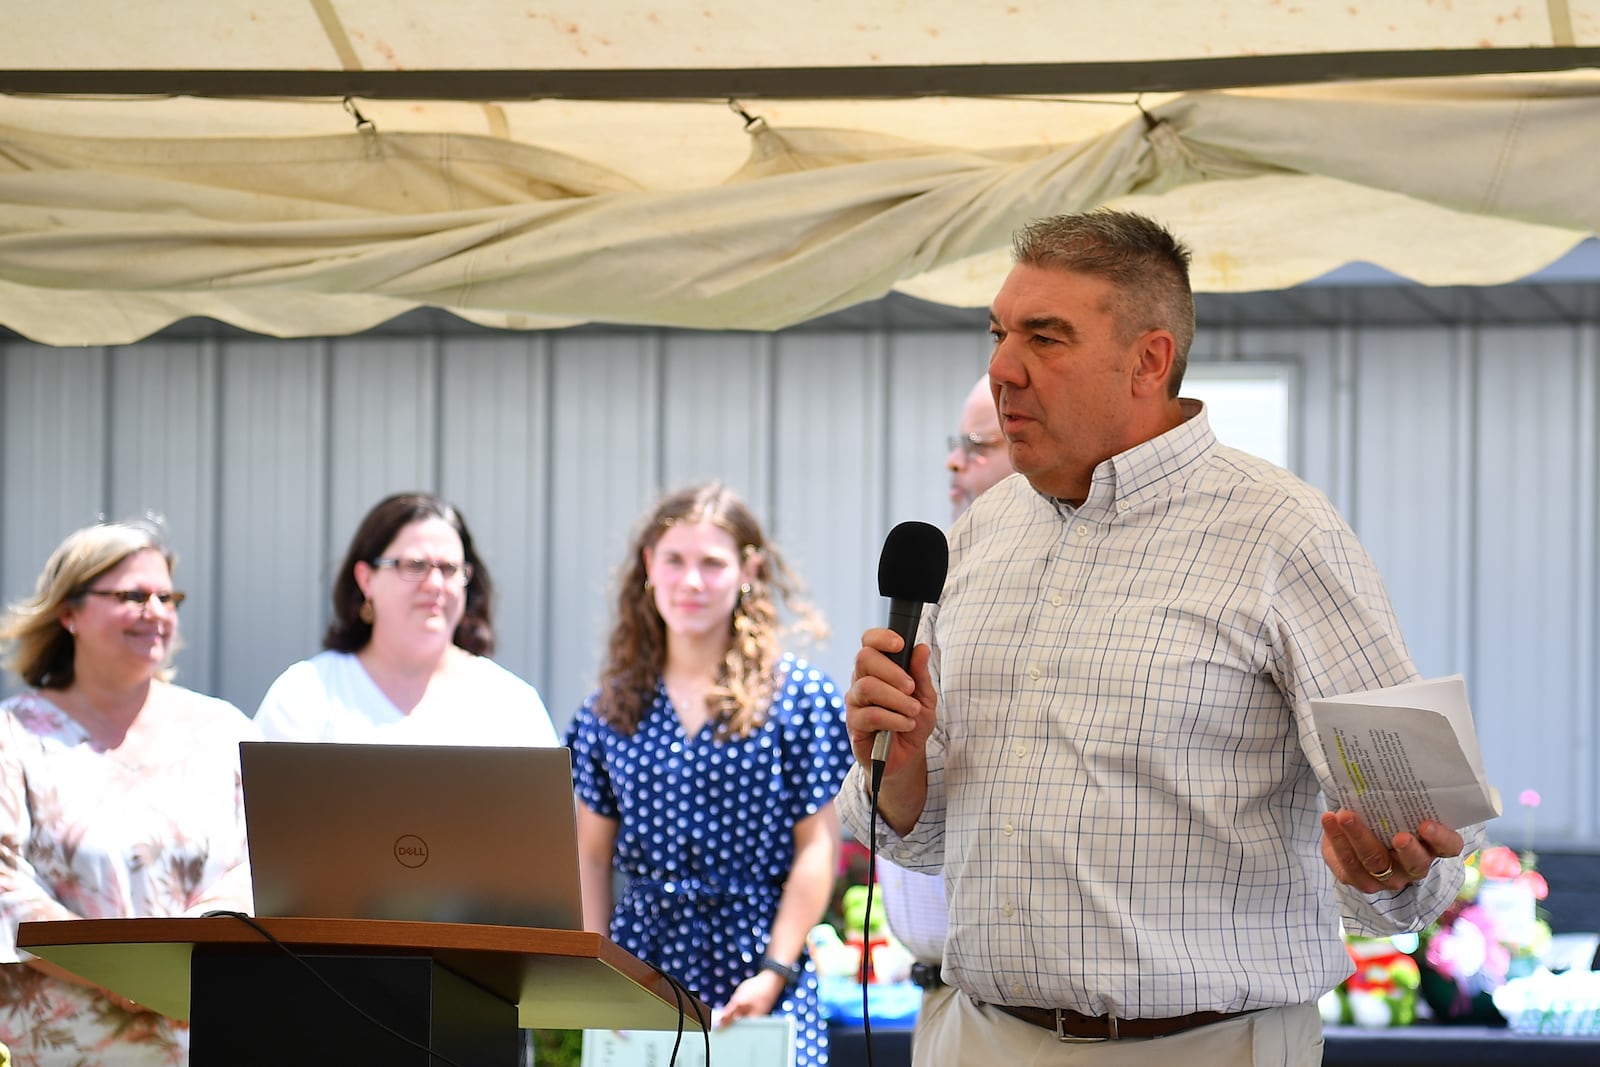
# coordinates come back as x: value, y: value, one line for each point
x: 873, y: 146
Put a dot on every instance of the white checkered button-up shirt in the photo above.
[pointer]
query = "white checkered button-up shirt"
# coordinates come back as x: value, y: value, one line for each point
x: 1123, y: 782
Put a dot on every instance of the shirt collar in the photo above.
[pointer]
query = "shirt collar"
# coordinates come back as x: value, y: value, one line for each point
x: 1119, y: 481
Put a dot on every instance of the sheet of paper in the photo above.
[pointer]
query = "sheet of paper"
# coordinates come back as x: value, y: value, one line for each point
x: 1406, y: 753
x: 767, y: 1041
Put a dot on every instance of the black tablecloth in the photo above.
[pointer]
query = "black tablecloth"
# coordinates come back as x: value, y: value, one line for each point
x: 1455, y: 1046
x: 1408, y: 1046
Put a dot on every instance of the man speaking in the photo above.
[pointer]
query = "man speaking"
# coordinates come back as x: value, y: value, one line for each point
x: 1105, y: 739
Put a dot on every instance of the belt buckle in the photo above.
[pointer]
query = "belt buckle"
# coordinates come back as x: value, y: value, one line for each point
x: 1074, y: 1039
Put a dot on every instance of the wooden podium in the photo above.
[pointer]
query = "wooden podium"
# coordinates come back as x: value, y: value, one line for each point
x: 459, y: 989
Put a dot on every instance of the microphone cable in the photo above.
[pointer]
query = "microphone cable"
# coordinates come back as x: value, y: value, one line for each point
x: 866, y: 919
x: 358, y: 1009
x: 680, y: 994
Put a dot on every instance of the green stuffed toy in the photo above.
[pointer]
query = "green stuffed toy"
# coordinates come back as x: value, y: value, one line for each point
x: 862, y: 940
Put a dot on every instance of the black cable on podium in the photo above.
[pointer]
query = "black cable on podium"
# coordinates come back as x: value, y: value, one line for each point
x: 680, y: 994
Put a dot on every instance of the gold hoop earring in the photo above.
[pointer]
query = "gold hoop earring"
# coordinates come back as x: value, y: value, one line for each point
x: 366, y: 614
x: 744, y: 592
x: 647, y: 585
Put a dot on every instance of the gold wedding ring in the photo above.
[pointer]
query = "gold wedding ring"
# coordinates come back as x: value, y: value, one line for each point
x: 1385, y: 873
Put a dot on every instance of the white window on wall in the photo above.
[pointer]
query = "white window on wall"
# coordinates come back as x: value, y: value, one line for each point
x: 1247, y: 403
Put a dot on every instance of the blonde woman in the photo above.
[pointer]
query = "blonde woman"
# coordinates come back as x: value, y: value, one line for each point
x: 707, y: 763
x: 119, y: 791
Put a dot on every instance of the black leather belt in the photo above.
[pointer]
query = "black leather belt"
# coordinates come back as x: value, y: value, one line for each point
x: 926, y: 976
x: 1069, y: 1025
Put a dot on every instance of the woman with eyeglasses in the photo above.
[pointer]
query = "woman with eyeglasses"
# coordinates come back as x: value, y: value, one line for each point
x: 119, y: 791
x: 406, y: 657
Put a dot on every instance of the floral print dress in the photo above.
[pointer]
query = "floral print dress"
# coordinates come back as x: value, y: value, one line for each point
x: 705, y: 834
x: 154, y: 827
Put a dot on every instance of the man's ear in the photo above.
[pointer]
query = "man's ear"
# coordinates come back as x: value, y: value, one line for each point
x: 1155, y: 351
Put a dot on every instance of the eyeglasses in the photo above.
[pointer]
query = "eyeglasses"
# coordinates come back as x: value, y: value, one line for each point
x: 141, y: 597
x: 416, y: 570
x: 971, y: 444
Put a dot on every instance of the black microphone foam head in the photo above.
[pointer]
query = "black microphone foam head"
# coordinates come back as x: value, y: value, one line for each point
x: 912, y: 565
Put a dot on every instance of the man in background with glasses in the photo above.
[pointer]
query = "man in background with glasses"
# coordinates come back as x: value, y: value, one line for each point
x: 914, y: 903
x: 977, y: 457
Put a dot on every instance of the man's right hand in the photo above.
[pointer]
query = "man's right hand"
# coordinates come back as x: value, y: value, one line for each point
x: 882, y: 697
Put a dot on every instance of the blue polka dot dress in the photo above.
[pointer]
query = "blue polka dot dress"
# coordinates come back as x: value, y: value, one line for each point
x: 705, y: 833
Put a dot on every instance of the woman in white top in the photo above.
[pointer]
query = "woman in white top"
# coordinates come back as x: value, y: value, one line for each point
x: 407, y: 658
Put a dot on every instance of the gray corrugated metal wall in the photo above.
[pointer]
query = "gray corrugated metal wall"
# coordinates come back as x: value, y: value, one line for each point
x: 1465, y: 457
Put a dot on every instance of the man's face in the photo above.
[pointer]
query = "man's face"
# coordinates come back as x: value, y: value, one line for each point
x: 1061, y: 375
x: 978, y: 460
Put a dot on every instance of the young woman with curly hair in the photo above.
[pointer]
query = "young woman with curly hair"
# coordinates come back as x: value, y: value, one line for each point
x: 707, y: 762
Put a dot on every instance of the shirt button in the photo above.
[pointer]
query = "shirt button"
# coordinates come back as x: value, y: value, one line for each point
x: 1055, y: 601
x: 1123, y: 505
x: 1017, y: 989
x: 1021, y: 750
x: 1008, y: 829
x: 1008, y: 909
x: 1083, y: 530
x: 1033, y: 672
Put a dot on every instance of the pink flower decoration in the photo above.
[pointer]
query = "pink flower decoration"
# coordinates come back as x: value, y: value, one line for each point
x: 1476, y: 924
x: 1472, y: 915
x: 1458, y: 952
x: 1535, y: 881
x: 1499, y: 862
x: 1530, y: 798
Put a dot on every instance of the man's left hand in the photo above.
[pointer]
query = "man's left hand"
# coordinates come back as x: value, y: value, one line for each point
x: 1359, y: 859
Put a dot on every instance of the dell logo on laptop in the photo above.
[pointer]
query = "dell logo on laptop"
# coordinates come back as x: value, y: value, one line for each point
x: 411, y: 850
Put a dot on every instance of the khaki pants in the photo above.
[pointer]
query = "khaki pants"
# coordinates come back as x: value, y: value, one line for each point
x: 957, y: 1032
x: 931, y: 999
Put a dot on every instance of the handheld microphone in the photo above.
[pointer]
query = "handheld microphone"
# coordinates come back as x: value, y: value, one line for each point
x: 911, y: 572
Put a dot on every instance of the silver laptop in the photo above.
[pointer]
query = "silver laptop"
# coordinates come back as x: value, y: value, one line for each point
x: 412, y: 832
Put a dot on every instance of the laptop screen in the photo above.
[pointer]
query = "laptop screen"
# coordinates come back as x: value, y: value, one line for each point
x: 428, y: 833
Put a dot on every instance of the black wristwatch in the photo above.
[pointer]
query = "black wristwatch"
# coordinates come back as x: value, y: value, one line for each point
x: 791, y: 972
